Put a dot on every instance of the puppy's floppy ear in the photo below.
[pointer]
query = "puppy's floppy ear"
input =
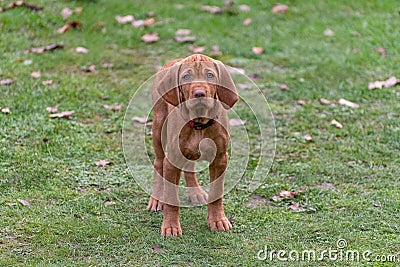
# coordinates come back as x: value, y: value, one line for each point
x: 167, y: 83
x: 226, y: 89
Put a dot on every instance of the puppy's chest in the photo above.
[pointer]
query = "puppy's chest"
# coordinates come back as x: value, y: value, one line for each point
x: 196, y: 145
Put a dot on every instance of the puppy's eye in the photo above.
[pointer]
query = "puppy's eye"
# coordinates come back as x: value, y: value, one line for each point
x: 210, y: 75
x: 186, y: 77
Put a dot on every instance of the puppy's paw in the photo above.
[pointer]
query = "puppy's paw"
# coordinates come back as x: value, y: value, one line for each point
x: 219, y: 224
x: 154, y: 204
x: 197, y: 195
x: 171, y: 230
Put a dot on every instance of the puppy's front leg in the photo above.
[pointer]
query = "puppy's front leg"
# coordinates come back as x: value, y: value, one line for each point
x: 216, y: 217
x: 171, y: 225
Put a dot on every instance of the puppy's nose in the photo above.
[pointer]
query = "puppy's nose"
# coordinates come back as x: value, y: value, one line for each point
x: 199, y: 93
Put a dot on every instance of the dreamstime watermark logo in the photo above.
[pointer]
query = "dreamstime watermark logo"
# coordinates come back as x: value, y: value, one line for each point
x: 340, y: 253
x: 251, y: 147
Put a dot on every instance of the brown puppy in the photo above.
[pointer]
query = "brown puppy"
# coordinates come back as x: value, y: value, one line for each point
x: 190, y: 101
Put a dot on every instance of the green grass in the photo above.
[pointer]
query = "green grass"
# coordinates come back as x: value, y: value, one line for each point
x: 68, y: 223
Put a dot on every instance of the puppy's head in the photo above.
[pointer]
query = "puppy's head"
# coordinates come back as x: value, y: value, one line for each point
x: 197, y: 81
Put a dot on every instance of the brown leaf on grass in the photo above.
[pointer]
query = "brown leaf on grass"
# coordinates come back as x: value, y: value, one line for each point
x: 69, y: 25
x: 90, y: 68
x: 284, y: 87
x: 109, y: 203
x: 65, y: 114
x: 295, y: 206
x: 50, y: 47
x: 23, y: 202
x: 113, y: 107
x: 247, y: 21
x: 325, y: 101
x: 392, y: 81
x: 52, y: 109
x: 185, y: 39
x: 301, y: 102
x: 308, y: 138
x: 47, y: 82
x: 36, y: 74
x: 212, y: 9
x: 139, y: 119
x: 329, y: 32
x: 157, y: 248
x: 279, y: 8
x: 7, y: 81
x: 183, y: 32
x: 381, y: 50
x: 124, y: 19
x: 102, y: 163
x: 236, y: 122
x: 244, y: 8
x: 215, y: 51
x: 149, y: 21
x: 348, y: 103
x: 81, y: 50
x: 337, y: 124
x: 66, y: 13
x: 289, y: 194
x: 197, y: 49
x: 6, y: 110
x: 150, y: 37
x: 20, y: 4
x: 78, y: 9
x: 257, y: 50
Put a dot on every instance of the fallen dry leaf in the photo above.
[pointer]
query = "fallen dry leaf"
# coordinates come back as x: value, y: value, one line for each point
x: 11, y: 204
x: 36, y: 74
x: 124, y: 19
x: 66, y: 13
x: 107, y: 65
x: 289, y: 194
x: 392, y: 81
x: 113, y: 107
x: 50, y: 47
x: 279, y: 8
x: 244, y: 8
x: 236, y: 122
x: 81, y: 50
x: 20, y: 4
x: 197, y: 49
x: 347, y: 103
x: 337, y: 124
x: 212, y: 9
x: 329, y: 32
x: 215, y: 51
x: 90, y: 68
x: 157, y: 248
x: 381, y: 50
x: 139, y: 119
x: 149, y: 21
x: 23, y: 202
x: 308, y: 138
x: 138, y: 23
x: 7, y: 81
x: 325, y: 101
x: 65, y: 114
x: 183, y: 32
x: 47, y: 82
x: 247, y: 21
x: 295, y: 206
x: 301, y: 102
x: 150, y: 37
x: 284, y: 87
x: 6, y: 110
x: 52, y: 109
x: 69, y: 25
x: 109, y: 203
x: 257, y: 50
x: 185, y: 39
x: 102, y: 163
x: 78, y: 9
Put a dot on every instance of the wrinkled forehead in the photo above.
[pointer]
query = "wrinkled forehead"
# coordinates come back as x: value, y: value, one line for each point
x: 197, y: 67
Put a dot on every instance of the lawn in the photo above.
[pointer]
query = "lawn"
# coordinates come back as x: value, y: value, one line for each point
x: 330, y: 189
